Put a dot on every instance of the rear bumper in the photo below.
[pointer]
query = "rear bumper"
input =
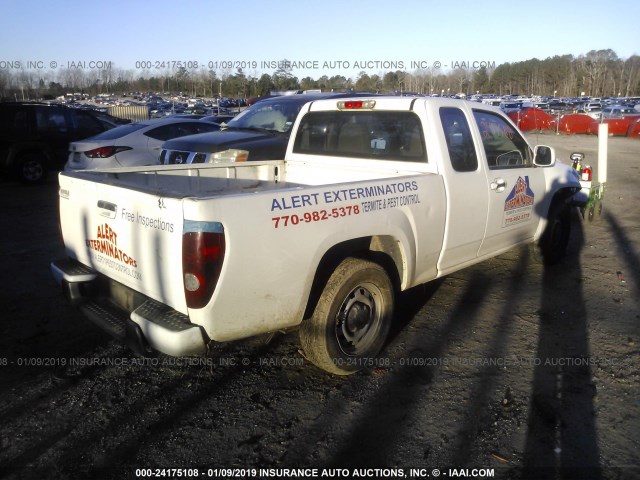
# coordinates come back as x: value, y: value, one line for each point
x: 143, y: 325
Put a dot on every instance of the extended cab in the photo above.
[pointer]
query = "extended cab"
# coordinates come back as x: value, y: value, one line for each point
x: 373, y: 197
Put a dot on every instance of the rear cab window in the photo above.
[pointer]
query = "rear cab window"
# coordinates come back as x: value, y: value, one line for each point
x: 384, y: 135
x: 462, y: 150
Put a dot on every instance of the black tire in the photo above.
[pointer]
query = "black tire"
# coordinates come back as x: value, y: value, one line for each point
x: 351, y: 321
x: 598, y: 209
x: 555, y: 239
x: 32, y: 168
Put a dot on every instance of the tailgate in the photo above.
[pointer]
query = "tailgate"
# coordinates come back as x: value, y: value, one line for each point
x: 130, y: 236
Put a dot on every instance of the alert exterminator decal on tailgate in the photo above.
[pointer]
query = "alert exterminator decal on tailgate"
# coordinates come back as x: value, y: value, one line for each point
x: 106, y: 243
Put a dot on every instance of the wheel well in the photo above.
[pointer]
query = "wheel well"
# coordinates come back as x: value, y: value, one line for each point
x: 383, y: 250
x: 16, y: 154
x: 564, y: 194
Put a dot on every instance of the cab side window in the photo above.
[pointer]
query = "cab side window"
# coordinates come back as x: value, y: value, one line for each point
x: 503, y: 144
x: 462, y: 151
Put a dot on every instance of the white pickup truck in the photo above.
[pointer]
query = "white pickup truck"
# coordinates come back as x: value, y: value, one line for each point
x: 375, y: 195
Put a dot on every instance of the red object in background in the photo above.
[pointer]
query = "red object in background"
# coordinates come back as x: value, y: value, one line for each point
x: 575, y: 123
x: 586, y: 174
x: 617, y: 126
x: 634, y: 129
x: 531, y: 119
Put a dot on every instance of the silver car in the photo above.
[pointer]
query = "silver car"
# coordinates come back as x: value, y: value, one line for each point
x: 133, y: 144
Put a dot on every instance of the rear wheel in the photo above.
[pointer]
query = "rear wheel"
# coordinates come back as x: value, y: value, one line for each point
x: 32, y: 168
x: 555, y: 239
x: 351, y: 321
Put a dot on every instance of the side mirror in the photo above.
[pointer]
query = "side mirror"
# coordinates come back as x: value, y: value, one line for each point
x: 544, y: 156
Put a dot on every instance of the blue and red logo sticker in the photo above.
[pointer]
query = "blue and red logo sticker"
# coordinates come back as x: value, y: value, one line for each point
x: 518, y: 206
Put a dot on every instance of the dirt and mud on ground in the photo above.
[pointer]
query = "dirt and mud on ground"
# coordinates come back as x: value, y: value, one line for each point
x: 504, y: 367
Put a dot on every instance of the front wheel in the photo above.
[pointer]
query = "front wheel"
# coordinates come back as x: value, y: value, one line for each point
x: 351, y: 321
x: 555, y: 239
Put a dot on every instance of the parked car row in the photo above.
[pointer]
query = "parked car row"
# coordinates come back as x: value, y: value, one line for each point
x: 554, y: 105
x: 259, y: 132
x: 36, y: 138
x: 621, y: 121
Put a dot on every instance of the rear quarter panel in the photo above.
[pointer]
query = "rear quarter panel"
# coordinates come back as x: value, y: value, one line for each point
x: 275, y: 241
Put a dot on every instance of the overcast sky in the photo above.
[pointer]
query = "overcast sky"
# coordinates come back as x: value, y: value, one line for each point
x: 325, y: 37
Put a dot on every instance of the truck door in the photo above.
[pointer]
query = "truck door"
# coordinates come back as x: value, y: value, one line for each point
x: 467, y: 195
x: 515, y: 186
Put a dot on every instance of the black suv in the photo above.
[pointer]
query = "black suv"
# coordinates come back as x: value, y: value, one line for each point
x: 35, y: 137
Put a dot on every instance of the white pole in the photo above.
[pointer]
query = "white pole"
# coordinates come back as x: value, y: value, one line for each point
x: 603, y: 138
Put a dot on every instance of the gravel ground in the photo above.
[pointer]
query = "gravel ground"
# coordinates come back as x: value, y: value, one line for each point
x: 505, y: 366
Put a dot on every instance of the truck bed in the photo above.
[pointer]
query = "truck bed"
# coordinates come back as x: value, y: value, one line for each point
x: 210, y: 180
x: 128, y: 223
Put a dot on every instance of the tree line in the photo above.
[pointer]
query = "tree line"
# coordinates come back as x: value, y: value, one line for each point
x: 598, y: 73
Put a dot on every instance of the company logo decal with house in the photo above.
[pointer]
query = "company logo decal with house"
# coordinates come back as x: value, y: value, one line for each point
x: 518, y: 206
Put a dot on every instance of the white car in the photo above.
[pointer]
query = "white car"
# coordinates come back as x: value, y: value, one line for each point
x: 594, y: 113
x: 133, y: 144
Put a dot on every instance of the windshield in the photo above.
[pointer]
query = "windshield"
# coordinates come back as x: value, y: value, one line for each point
x: 274, y: 116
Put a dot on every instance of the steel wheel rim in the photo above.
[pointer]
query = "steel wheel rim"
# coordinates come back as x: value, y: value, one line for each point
x: 358, y: 319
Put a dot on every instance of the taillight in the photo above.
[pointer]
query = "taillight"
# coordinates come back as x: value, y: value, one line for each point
x: 203, y: 249
x: 104, y: 152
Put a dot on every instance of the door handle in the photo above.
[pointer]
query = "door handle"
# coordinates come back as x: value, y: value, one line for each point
x: 499, y: 184
x: 107, y: 209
